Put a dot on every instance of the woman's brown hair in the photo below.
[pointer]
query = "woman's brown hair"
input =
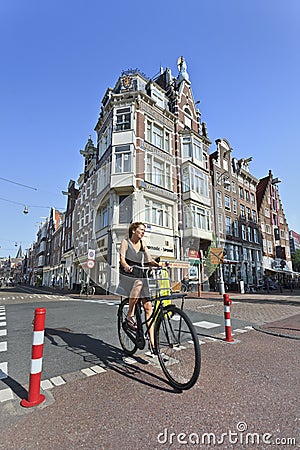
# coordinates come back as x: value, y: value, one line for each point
x: 134, y: 226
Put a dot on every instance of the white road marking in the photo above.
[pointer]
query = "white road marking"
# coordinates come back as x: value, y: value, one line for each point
x: 6, y: 394
x: 205, y: 324
x: 57, y: 381
x: 3, y: 370
x: 88, y: 372
x: 46, y: 384
x: 3, y: 346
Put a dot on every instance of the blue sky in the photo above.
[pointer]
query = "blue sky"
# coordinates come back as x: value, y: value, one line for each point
x: 59, y: 57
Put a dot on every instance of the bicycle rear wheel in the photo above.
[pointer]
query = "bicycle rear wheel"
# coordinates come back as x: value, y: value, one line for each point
x: 178, y: 347
x: 126, y: 336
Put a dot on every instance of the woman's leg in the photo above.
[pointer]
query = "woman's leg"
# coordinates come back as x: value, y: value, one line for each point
x: 134, y: 296
x: 148, y: 311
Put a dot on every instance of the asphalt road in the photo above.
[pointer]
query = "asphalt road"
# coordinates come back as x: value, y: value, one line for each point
x: 78, y: 333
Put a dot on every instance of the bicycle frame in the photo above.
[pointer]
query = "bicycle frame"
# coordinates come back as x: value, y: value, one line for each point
x: 138, y: 337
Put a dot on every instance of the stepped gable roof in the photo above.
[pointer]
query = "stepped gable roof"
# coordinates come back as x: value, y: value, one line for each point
x: 261, y: 189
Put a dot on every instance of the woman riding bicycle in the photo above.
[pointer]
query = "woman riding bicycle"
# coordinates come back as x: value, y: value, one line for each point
x: 134, y: 254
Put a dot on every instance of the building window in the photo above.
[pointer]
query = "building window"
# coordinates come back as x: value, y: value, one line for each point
x: 227, y: 202
x: 252, y: 196
x: 228, y: 226
x: 102, y: 217
x: 248, y: 212
x: 104, y: 141
x: 103, y: 177
x: 255, y: 235
x: 264, y: 246
x: 122, y: 159
x: 123, y: 119
x: 158, y: 171
x: 197, y: 150
x: 157, y: 213
x: 186, y: 148
x: 233, y: 186
x: 241, y: 192
x: 201, y: 218
x: 194, y: 180
x: 167, y: 142
x: 125, y: 209
x: 247, y: 196
x: 244, y: 234
x: 254, y: 216
x: 249, y: 234
x: 267, y: 212
x: 235, y: 228
x: 242, y: 210
x: 158, y: 136
x: 270, y: 247
x: 158, y: 97
x: 220, y: 223
x: 234, y: 205
x: 192, y: 148
x: 219, y: 199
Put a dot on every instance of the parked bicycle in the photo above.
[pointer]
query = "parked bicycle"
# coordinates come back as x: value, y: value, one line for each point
x: 87, y: 289
x: 185, y: 286
x: 175, y: 339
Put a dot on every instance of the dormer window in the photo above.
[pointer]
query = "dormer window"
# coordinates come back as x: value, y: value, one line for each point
x: 187, y: 118
x: 158, y: 97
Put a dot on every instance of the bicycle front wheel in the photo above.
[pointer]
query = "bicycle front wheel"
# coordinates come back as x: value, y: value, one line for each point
x: 178, y: 347
x: 127, y: 337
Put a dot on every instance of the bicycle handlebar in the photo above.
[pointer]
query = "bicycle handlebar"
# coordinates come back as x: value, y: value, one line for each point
x: 146, y: 267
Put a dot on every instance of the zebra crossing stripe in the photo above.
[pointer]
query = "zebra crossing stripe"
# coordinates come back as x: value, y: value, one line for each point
x: 3, y: 370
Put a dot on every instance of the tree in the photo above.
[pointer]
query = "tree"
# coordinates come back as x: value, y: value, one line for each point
x: 296, y: 260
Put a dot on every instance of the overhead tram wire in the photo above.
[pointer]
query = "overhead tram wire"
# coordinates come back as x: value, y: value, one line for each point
x: 28, y: 206
x: 19, y: 184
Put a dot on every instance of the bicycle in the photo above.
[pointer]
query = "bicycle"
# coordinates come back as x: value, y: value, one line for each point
x: 185, y: 286
x: 175, y: 340
x: 87, y: 289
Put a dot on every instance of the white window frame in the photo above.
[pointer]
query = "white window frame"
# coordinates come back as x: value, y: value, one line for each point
x: 125, y: 115
x: 122, y: 159
x: 161, y: 177
x: 158, y: 135
x: 158, y: 213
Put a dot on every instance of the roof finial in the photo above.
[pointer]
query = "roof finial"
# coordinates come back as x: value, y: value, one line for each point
x: 182, y: 67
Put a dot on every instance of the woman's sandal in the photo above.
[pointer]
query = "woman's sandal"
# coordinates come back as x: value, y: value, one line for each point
x: 131, y: 323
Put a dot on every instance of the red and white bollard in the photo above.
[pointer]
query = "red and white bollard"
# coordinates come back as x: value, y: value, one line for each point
x: 34, y: 395
x: 227, y: 304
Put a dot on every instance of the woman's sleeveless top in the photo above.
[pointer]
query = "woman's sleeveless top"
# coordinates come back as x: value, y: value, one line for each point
x: 132, y: 257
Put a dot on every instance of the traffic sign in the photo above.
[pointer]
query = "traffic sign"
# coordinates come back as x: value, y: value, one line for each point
x: 216, y: 256
x: 91, y: 254
x: 90, y: 264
